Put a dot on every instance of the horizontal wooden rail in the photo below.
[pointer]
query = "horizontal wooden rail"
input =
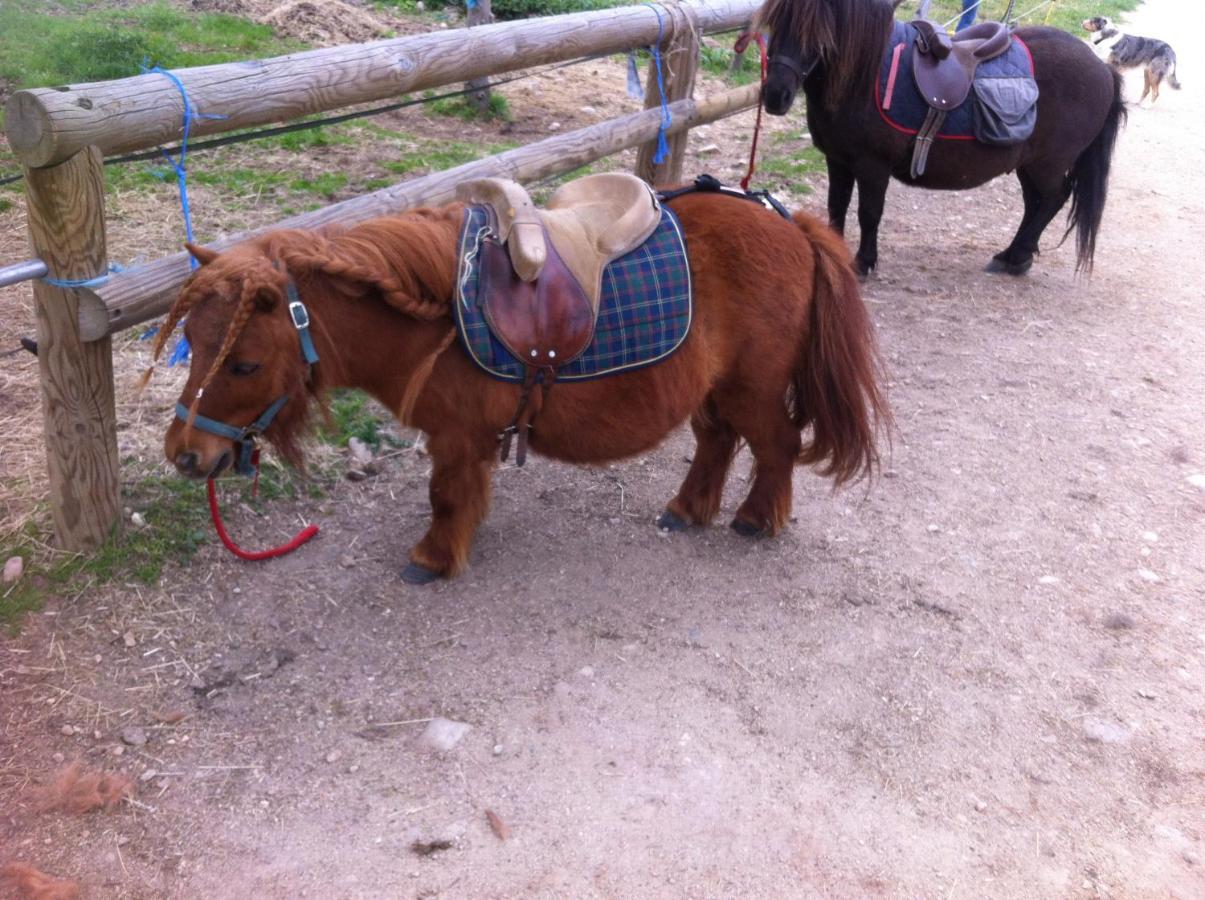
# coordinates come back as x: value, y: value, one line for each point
x: 48, y: 125
x: 137, y: 295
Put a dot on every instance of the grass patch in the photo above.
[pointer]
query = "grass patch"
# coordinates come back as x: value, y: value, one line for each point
x: 522, y: 9
x: 497, y: 109
x: 354, y: 415
x: 177, y: 525
x: 790, y: 166
x: 437, y: 155
x: 176, y: 517
x: 1067, y: 14
x: 83, y: 43
x: 5, y: 205
x: 717, y: 61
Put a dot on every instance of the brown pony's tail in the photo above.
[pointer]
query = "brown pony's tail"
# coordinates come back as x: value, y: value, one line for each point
x: 837, y: 381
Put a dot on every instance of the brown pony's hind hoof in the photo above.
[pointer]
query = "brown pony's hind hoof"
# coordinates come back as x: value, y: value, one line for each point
x: 416, y: 574
x: 748, y: 529
x: 669, y: 521
x: 1015, y: 269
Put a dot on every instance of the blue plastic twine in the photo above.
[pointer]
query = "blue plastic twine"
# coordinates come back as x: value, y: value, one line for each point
x: 180, y: 351
x: 666, y: 116
x: 85, y: 282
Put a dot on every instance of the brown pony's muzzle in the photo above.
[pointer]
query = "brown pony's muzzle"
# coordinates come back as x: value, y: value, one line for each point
x: 201, y: 455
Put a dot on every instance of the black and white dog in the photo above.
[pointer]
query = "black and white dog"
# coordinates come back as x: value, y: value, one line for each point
x: 1127, y: 51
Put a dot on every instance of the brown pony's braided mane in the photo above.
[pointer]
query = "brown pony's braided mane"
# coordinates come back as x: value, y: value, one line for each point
x: 847, y: 35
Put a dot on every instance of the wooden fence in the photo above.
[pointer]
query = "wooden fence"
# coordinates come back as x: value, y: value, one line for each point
x: 61, y: 135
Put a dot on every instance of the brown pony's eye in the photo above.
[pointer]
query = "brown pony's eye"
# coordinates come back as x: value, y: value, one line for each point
x: 243, y: 368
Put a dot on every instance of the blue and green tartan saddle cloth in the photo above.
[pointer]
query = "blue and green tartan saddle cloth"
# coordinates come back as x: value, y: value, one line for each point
x: 644, y: 313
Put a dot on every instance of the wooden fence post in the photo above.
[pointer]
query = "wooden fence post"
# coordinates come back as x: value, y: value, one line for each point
x: 679, y: 64
x: 479, y: 98
x: 67, y: 230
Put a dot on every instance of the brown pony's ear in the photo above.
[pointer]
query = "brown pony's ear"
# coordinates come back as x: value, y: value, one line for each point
x: 203, y: 255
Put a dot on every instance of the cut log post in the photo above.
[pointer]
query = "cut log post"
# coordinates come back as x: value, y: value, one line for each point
x: 47, y: 125
x: 679, y: 65
x: 479, y: 92
x: 137, y: 295
x: 67, y: 229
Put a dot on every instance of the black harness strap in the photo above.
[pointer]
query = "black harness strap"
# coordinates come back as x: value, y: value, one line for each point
x: 709, y: 184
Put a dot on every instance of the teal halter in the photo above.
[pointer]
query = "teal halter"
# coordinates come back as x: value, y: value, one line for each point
x: 244, y: 438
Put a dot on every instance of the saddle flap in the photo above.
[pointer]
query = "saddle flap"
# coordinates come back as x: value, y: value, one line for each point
x: 518, y: 221
x: 545, y: 323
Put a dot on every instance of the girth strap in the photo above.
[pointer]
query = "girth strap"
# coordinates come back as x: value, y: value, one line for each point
x: 934, y: 119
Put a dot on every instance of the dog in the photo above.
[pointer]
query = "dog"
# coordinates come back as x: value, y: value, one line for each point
x: 1126, y: 51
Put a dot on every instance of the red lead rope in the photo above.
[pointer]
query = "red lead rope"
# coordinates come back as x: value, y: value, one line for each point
x: 741, y: 43
x: 253, y: 555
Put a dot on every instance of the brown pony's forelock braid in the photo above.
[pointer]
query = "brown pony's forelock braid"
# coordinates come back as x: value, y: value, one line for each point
x: 242, y: 314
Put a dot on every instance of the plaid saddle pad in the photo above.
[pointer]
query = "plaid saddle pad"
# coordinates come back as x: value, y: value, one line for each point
x: 644, y: 312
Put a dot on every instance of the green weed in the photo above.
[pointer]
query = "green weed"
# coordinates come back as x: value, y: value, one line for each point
x: 496, y: 109
x: 85, y: 44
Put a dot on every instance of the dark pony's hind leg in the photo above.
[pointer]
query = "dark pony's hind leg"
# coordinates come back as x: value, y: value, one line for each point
x: 1044, y: 197
x: 460, y: 499
x: 698, y: 499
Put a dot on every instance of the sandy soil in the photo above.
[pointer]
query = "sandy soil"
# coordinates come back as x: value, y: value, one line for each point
x: 979, y: 677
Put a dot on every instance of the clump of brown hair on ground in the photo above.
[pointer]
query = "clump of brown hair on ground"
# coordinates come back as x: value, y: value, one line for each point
x: 30, y: 884
x: 77, y: 790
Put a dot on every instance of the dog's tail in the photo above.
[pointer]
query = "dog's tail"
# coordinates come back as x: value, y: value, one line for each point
x: 1171, y: 76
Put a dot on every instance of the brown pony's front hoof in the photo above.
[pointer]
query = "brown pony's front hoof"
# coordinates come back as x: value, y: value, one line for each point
x: 416, y: 574
x: 669, y: 521
x: 1015, y: 269
x: 749, y: 530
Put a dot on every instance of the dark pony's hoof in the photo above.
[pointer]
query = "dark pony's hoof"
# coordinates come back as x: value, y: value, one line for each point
x: 669, y: 521
x: 749, y: 530
x: 416, y: 574
x: 1016, y: 269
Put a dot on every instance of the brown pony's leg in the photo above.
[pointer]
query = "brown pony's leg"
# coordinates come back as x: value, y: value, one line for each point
x: 698, y: 498
x: 762, y: 420
x: 460, y: 499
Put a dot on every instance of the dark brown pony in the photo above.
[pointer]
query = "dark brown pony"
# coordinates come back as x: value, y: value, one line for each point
x: 833, y: 49
x: 780, y: 343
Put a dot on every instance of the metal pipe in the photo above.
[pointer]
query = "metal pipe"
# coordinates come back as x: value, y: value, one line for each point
x: 22, y: 271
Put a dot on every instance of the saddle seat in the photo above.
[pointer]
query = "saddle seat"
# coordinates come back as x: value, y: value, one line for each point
x: 944, y: 70
x: 944, y: 66
x: 542, y: 292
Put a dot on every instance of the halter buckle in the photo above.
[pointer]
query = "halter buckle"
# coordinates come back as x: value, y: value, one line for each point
x: 299, y: 314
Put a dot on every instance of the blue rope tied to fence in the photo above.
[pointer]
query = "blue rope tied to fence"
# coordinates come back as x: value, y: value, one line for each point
x: 180, y: 351
x: 667, y: 117
x: 84, y: 282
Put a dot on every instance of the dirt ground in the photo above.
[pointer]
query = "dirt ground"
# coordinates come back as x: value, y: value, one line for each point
x: 980, y: 676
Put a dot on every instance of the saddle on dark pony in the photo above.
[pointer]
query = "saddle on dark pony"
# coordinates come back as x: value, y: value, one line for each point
x: 946, y: 69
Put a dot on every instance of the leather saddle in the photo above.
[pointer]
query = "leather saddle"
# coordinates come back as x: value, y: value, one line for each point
x: 944, y: 69
x: 541, y: 271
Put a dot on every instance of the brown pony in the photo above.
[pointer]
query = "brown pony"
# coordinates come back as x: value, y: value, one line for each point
x: 780, y: 343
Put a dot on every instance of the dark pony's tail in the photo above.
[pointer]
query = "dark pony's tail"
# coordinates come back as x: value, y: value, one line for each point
x: 1089, y: 181
x: 837, y: 380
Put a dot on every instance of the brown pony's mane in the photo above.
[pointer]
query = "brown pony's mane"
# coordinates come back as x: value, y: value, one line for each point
x: 402, y: 260
x: 846, y: 35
